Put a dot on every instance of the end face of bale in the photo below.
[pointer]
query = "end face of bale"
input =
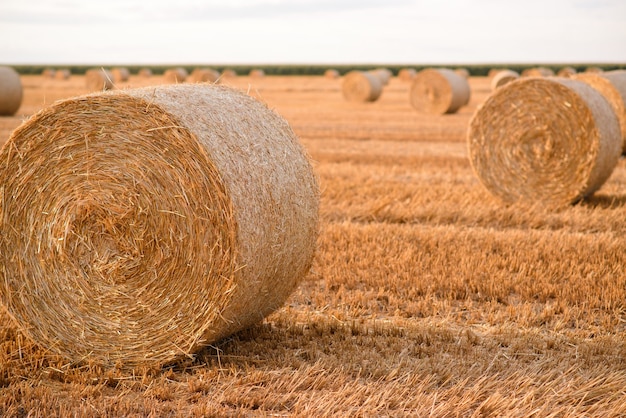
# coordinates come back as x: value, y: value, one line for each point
x: 11, y: 91
x: 144, y: 224
x: 438, y: 91
x: 359, y: 86
x: 548, y: 140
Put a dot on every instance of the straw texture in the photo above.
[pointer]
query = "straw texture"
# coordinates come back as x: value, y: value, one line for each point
x: 203, y: 75
x: 503, y: 77
x: 548, y: 140
x: 612, y: 85
x: 10, y: 91
x: 138, y: 226
x: 438, y: 91
x: 175, y: 75
x: 360, y: 86
x: 99, y: 79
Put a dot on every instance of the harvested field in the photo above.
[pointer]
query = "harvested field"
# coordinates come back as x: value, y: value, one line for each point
x: 427, y: 297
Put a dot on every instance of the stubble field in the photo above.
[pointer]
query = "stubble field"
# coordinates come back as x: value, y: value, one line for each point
x: 427, y: 297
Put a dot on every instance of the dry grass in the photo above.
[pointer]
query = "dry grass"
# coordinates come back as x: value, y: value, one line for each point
x: 428, y: 297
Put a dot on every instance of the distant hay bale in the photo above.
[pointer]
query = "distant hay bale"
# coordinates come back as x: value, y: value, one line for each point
x: 463, y: 72
x: 229, y: 73
x: 331, y: 74
x: 548, y: 140
x: 360, y: 86
x: 145, y: 73
x: 503, y: 77
x: 203, y: 75
x: 48, y: 73
x: 594, y: 69
x: 383, y: 74
x: 175, y: 75
x: 256, y: 73
x: 63, y: 74
x: 493, y: 71
x: 11, y: 91
x: 407, y: 74
x: 438, y: 91
x: 566, y: 72
x: 120, y: 74
x: 99, y: 79
x: 612, y: 85
x: 146, y: 224
x: 538, y: 72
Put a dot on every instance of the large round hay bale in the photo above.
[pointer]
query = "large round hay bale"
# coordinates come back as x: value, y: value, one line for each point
x: 438, y: 91
x: 566, y: 72
x: 145, y: 73
x: 229, y: 73
x: 407, y: 74
x: 141, y: 225
x: 594, y: 69
x: 538, y: 72
x: 175, y: 75
x: 203, y: 75
x: 331, y: 74
x: 463, y: 72
x: 10, y: 91
x: 120, y: 74
x: 256, y: 73
x: 503, y: 77
x: 99, y: 79
x: 552, y: 141
x: 612, y: 85
x: 360, y: 86
x: 383, y: 74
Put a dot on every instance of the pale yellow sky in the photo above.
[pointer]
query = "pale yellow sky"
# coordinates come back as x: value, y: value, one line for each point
x: 316, y: 32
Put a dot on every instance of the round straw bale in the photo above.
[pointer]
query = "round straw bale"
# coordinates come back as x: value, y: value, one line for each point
x: 141, y: 225
x: 548, y: 140
x: 332, y: 74
x: 566, y: 72
x: 257, y: 73
x: 99, y: 79
x: 463, y: 72
x: 439, y: 91
x: 383, y: 74
x: 63, y: 74
x: 503, y: 77
x: 120, y: 74
x: 594, y: 69
x: 203, y: 75
x: 10, y: 91
x: 612, y: 85
x: 407, y: 74
x: 493, y: 71
x: 360, y: 86
x: 538, y: 72
x: 48, y: 73
x: 175, y: 75
x: 229, y: 73
x: 145, y: 73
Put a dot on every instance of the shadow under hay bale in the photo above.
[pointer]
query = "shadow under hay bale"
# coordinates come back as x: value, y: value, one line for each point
x: 145, y: 224
x: 360, y: 86
x: 438, y: 91
x: 11, y: 91
x: 552, y: 141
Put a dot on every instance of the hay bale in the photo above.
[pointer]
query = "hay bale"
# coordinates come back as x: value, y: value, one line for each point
x: 257, y: 73
x: 594, y: 70
x: 463, y: 72
x: 493, y: 71
x: 10, y: 91
x: 383, y: 74
x: 331, y: 74
x: 229, y: 73
x: 612, y: 85
x: 438, y: 91
x: 145, y: 73
x: 120, y: 74
x: 566, y: 72
x: 48, y: 73
x: 203, y: 75
x: 63, y: 74
x: 538, y: 72
x: 407, y: 74
x: 145, y: 224
x: 547, y: 140
x: 361, y: 86
x: 99, y: 79
x: 503, y: 77
x: 175, y: 75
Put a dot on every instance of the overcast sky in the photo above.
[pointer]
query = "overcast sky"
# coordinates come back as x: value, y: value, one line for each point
x: 312, y: 31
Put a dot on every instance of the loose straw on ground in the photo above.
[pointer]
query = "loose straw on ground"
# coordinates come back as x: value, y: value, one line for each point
x: 503, y: 77
x: 612, y: 85
x: 175, y: 75
x: 98, y: 79
x: 438, y: 91
x: 360, y: 86
x: 552, y: 141
x: 141, y: 225
x: 11, y: 92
